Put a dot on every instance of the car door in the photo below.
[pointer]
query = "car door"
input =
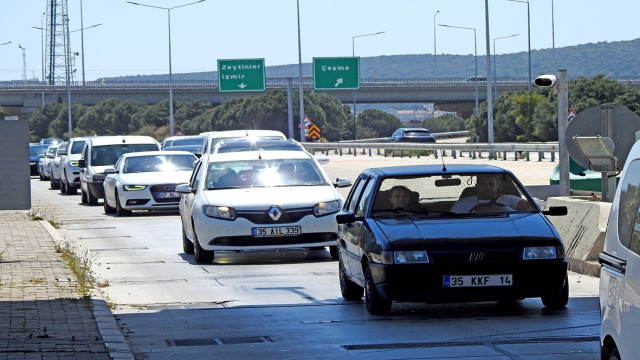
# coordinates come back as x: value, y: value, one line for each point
x: 360, y: 229
x: 187, y: 202
x: 631, y: 306
x: 348, y: 238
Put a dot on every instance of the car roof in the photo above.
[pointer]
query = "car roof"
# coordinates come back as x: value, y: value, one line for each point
x: 409, y: 170
x: 238, y: 133
x: 156, y: 153
x: 253, y: 155
x: 121, y: 139
x: 259, y: 143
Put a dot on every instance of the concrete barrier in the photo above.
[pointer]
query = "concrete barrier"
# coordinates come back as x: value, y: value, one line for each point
x: 582, y: 230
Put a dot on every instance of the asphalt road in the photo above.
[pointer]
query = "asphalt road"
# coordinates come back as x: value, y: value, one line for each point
x: 287, y: 304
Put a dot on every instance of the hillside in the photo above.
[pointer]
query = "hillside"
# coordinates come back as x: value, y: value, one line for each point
x: 619, y: 58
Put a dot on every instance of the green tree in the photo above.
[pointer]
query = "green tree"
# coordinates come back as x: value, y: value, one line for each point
x: 522, y: 111
x: 40, y: 120
x: 380, y: 123
x: 444, y: 123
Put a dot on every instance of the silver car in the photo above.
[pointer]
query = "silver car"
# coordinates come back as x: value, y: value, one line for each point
x: 69, y: 170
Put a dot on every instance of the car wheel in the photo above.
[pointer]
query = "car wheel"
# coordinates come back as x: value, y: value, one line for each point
x: 376, y: 305
x: 83, y: 196
x: 42, y: 177
x: 559, y: 300
x: 187, y: 245
x: 201, y: 255
x: 120, y: 211
x: 63, y: 187
x: 350, y: 290
x: 54, y: 184
x: 91, y: 200
x: 70, y: 190
x: 108, y: 209
x: 333, y: 251
x: 607, y: 353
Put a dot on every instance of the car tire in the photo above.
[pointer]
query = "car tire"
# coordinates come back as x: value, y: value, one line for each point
x: 54, y: 184
x: 376, y: 305
x: 63, y: 187
x: 557, y: 301
x: 333, y: 251
x: 187, y: 245
x: 108, y: 209
x: 83, y: 196
x: 610, y: 354
x: 350, y: 290
x: 201, y: 255
x: 91, y: 200
x: 70, y: 190
x: 120, y: 211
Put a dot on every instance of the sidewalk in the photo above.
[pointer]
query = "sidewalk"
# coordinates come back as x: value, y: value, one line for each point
x: 42, y: 313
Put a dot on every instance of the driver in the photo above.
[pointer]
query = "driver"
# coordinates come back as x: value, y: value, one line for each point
x: 400, y: 198
x: 488, y: 187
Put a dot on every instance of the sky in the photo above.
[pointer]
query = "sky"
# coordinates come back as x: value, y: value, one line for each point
x: 134, y: 40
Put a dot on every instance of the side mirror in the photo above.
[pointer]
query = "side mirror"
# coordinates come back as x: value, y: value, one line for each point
x: 546, y: 80
x: 110, y: 171
x: 81, y: 163
x: 184, y: 189
x: 345, y: 218
x: 556, y: 211
x: 342, y: 182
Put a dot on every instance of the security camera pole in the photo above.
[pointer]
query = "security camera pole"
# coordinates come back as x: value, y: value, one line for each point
x: 563, y: 112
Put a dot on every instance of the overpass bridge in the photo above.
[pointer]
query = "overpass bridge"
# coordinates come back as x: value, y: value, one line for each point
x: 450, y: 94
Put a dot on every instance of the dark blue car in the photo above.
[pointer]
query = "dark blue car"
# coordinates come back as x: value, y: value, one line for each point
x: 34, y: 156
x: 455, y: 234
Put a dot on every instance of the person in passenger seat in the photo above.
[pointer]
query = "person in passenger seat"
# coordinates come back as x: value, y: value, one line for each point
x: 400, y: 198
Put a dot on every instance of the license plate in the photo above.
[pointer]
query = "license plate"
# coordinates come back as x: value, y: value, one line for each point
x: 167, y: 195
x: 477, y: 280
x: 276, y: 231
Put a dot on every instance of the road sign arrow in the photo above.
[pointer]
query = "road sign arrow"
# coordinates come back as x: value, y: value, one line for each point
x: 338, y: 82
x: 242, y: 85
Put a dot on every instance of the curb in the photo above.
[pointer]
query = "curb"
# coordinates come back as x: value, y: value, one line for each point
x: 113, y: 338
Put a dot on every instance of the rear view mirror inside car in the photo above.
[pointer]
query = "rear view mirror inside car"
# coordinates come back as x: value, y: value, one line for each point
x: 447, y: 182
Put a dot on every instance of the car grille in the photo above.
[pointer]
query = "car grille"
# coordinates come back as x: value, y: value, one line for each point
x: 270, y: 241
x: 155, y: 189
x: 475, y: 256
x: 262, y: 216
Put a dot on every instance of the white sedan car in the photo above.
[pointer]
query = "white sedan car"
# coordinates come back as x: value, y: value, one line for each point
x: 146, y: 181
x: 259, y: 200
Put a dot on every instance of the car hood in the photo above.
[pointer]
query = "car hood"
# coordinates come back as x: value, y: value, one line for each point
x: 151, y: 178
x: 263, y: 197
x: 512, y: 228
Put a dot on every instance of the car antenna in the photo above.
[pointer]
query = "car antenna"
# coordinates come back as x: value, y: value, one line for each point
x: 444, y: 167
x: 254, y: 130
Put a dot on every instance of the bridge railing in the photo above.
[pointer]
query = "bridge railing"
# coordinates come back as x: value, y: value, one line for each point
x: 473, y: 150
x: 277, y: 83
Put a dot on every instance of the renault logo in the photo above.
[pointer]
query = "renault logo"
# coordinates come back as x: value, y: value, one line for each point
x: 275, y: 213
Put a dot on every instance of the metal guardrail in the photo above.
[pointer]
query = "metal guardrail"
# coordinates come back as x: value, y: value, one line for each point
x: 496, y: 150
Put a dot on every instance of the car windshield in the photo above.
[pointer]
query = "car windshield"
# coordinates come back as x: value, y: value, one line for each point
x: 77, y: 146
x: 106, y: 155
x: 263, y: 173
x: 215, y: 141
x: 51, y: 150
x: 475, y: 194
x: 37, y: 150
x: 259, y: 145
x: 186, y: 141
x: 153, y: 163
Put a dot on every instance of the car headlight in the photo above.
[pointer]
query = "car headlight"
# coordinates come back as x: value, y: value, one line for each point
x: 219, y: 212
x: 325, y: 208
x: 539, y: 252
x: 404, y: 257
x: 74, y: 163
x: 134, y: 187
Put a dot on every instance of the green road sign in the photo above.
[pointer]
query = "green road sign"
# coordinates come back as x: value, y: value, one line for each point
x: 336, y: 73
x: 241, y: 75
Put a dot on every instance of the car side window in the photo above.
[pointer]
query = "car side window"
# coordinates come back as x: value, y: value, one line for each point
x: 193, y: 182
x: 352, y: 201
x: 628, y: 212
x: 363, y: 204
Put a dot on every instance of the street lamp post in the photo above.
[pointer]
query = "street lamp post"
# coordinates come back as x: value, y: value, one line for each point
x: 435, y: 60
x: 24, y: 62
x: 82, y: 44
x: 495, y: 74
x: 475, y: 46
x: 353, y: 53
x: 529, y: 38
x: 300, y: 85
x: 170, y: 72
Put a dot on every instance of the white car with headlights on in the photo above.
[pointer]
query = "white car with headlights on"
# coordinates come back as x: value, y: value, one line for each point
x: 254, y: 200
x: 146, y: 181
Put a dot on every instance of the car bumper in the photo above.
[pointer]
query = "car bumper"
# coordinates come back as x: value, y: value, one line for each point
x: 147, y: 199
x: 425, y: 282
x: 214, y: 234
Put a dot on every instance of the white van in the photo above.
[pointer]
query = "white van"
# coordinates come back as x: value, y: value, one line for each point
x: 620, y: 271
x: 102, y: 152
x: 211, y: 138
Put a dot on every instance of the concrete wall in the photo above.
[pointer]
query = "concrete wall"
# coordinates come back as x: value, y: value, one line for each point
x: 15, y: 183
x: 582, y: 231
